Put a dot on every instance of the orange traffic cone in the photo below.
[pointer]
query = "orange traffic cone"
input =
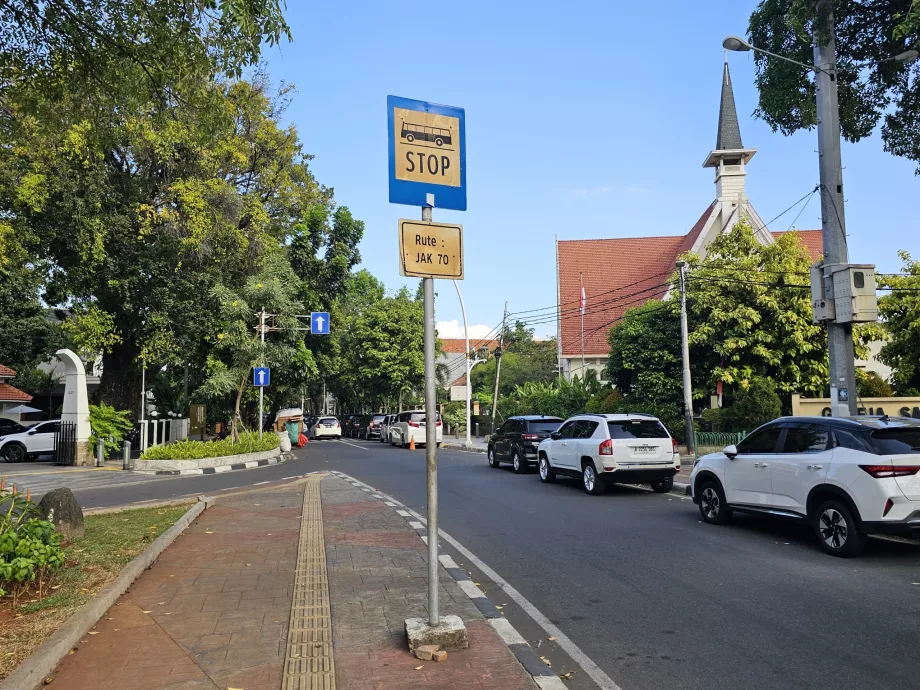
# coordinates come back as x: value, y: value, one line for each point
x: 411, y: 443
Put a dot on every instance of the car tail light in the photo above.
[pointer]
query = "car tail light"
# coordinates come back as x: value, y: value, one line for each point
x: 889, y: 504
x: 337, y: 425
x: 414, y: 424
x: 674, y: 445
x: 606, y: 448
x: 439, y: 423
x: 530, y: 437
x: 882, y: 471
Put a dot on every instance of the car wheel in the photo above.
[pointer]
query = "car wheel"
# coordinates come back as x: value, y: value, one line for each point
x: 520, y: 467
x: 592, y: 483
x: 837, y: 529
x: 493, y: 461
x: 14, y: 453
x: 547, y: 475
x: 712, y: 504
x: 663, y: 486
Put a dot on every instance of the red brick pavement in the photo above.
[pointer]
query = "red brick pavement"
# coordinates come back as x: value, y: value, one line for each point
x: 211, y: 613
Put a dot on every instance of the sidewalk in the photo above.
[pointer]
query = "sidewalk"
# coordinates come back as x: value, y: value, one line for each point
x: 241, y: 601
x: 478, y: 445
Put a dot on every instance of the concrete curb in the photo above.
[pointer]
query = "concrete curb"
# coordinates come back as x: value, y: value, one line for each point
x: 460, y: 446
x: 208, y: 465
x: 543, y: 676
x: 681, y: 489
x: 32, y: 672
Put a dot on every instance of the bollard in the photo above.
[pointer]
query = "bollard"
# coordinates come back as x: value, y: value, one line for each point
x: 476, y: 429
x: 100, y: 452
x: 126, y: 456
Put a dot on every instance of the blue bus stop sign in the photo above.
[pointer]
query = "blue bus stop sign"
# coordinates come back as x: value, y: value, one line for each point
x: 319, y: 323
x: 427, y: 145
x: 261, y: 377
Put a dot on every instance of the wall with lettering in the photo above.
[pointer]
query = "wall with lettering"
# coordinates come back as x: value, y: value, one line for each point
x: 893, y: 407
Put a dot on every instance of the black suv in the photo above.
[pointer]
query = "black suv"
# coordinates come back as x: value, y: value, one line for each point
x: 517, y: 439
x: 370, y: 426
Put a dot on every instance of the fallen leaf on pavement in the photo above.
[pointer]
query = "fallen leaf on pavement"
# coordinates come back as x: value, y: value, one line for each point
x: 48, y: 680
x: 207, y: 531
x: 546, y: 661
x: 550, y: 638
x: 93, y: 632
x: 419, y: 668
x: 566, y: 676
x: 146, y: 611
x: 499, y: 607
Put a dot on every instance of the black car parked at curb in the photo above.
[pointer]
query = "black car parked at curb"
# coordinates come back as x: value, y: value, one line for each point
x: 370, y: 426
x: 517, y: 439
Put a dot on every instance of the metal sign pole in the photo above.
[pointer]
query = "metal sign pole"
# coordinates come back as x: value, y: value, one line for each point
x: 262, y: 357
x: 431, y: 445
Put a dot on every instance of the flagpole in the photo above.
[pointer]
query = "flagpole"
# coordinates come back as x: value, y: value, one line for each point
x: 581, y: 284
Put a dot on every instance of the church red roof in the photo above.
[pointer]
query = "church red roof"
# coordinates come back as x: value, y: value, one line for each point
x: 6, y: 372
x: 619, y: 274
x: 10, y: 393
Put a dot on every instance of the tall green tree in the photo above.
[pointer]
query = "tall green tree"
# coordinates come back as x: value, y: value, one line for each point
x: 871, y: 87
x: 900, y: 312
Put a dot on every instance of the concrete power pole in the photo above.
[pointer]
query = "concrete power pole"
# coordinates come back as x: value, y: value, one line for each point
x: 833, y: 228
x: 685, y: 357
x: 498, y: 366
x: 261, y: 388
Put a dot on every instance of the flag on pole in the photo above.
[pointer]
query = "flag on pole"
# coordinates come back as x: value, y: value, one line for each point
x: 583, y: 300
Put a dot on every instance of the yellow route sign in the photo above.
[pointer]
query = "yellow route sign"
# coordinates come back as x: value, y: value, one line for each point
x: 430, y: 250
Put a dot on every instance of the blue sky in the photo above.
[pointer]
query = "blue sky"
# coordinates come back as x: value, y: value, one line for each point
x: 584, y: 120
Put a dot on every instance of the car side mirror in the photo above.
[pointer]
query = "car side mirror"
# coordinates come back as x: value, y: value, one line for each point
x: 730, y: 451
x: 554, y: 435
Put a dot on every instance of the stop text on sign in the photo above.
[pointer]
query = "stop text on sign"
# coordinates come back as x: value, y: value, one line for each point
x: 430, y: 250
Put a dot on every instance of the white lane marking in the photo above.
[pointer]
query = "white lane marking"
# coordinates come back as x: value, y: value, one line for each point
x: 261, y: 483
x: 403, y: 513
x: 389, y: 503
x: 425, y: 539
x: 415, y: 524
x: 354, y: 445
x: 470, y: 589
x: 447, y: 561
x: 593, y: 671
x: 506, y: 631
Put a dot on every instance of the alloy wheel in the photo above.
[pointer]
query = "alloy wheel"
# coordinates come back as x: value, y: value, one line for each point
x: 710, y: 503
x: 590, y: 478
x: 544, y: 468
x: 517, y: 462
x: 833, y: 527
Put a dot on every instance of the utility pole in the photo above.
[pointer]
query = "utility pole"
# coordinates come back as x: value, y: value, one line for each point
x: 262, y: 360
x: 431, y: 442
x: 685, y: 357
x: 833, y: 229
x: 498, y: 365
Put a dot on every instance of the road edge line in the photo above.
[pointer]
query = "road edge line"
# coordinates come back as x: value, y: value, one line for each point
x: 31, y: 673
x: 524, y: 653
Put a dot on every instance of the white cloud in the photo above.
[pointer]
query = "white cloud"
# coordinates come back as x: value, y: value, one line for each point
x: 454, y: 329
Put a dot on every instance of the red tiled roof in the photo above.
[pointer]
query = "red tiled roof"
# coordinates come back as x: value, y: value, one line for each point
x: 623, y: 273
x: 461, y: 381
x: 812, y: 239
x: 10, y: 393
x: 6, y: 372
x: 457, y: 346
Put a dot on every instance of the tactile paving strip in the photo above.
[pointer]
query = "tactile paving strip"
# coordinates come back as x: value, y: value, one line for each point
x: 308, y: 663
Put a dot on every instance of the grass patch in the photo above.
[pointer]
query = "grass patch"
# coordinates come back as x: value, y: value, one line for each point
x: 93, y: 561
x: 196, y: 450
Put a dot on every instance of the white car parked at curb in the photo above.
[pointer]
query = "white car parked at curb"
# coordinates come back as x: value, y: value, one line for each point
x: 412, y: 425
x: 845, y: 477
x: 611, y: 448
x: 37, y: 440
x: 326, y: 427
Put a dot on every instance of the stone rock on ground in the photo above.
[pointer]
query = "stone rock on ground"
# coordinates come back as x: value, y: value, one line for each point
x: 60, y: 506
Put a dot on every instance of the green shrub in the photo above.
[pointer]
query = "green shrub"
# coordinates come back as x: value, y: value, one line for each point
x: 871, y: 385
x: 755, y: 405
x: 29, y: 546
x: 196, y: 450
x: 109, y: 424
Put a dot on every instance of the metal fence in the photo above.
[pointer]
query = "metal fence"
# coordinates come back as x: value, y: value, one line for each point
x: 65, y: 444
x: 713, y: 441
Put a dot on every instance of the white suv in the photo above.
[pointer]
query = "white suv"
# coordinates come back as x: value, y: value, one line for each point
x: 607, y: 448
x: 38, y: 440
x: 846, y: 477
x: 412, y: 425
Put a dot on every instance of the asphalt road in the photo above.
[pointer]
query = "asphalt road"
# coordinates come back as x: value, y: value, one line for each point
x: 653, y: 596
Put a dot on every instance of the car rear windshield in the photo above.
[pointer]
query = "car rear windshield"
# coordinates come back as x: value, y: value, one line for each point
x: 326, y: 419
x: 378, y: 417
x: 897, y: 441
x: 537, y: 427
x: 420, y: 417
x: 637, y: 429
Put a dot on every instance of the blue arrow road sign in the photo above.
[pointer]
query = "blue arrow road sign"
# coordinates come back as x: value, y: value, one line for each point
x: 261, y: 377
x: 319, y: 323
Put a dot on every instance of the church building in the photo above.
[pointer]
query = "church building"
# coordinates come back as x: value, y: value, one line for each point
x: 597, y: 281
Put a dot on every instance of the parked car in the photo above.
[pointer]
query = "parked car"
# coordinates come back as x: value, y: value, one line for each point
x: 370, y: 426
x: 385, y: 428
x: 347, y: 422
x: 326, y: 427
x: 517, y: 439
x: 356, y: 423
x: 845, y: 477
x: 606, y: 448
x: 29, y: 444
x: 412, y: 425
x: 9, y: 426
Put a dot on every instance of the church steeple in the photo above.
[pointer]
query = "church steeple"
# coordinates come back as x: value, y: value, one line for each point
x: 729, y: 156
x: 729, y: 136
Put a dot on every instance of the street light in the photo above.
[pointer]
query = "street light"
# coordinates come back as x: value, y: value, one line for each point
x: 841, y: 359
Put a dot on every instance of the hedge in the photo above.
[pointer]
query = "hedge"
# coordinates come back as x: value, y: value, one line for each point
x: 196, y: 450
